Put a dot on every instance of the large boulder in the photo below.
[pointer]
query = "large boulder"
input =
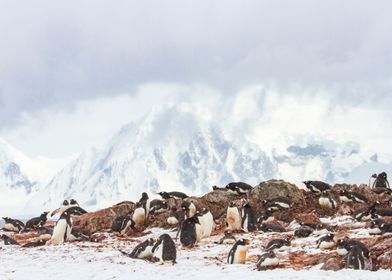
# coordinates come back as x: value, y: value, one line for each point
x: 101, y: 220
x: 273, y: 189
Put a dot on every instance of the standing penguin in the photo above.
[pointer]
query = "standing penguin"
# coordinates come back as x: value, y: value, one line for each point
x: 191, y: 232
x: 165, y: 249
x: 382, y: 181
x: 37, y: 221
x: 63, y: 228
x: 267, y: 260
x: 326, y: 201
x: 206, y: 221
x: 237, y: 254
x: 345, y: 245
x: 189, y: 208
x: 248, y: 218
x: 145, y: 201
x: 355, y: 258
x: 142, y: 250
x: 326, y: 241
x: 13, y: 225
x: 233, y: 217
x: 139, y: 216
x: 317, y: 186
x: 122, y: 224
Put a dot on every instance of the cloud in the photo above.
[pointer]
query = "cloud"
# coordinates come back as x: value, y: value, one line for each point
x: 57, y: 54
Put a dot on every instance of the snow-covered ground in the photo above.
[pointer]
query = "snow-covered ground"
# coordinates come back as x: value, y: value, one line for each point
x: 87, y: 260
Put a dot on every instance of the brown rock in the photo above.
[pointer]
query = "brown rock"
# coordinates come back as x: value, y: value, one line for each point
x: 274, y: 189
x: 308, y: 218
x: 334, y: 263
x: 101, y: 220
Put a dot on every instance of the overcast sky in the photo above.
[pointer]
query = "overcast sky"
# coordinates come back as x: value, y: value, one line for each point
x: 73, y: 73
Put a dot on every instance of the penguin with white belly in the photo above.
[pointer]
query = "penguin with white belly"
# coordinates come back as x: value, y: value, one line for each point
x: 139, y: 216
x: 142, y: 250
x: 237, y: 254
x: 145, y: 201
x: 326, y: 201
x: 63, y: 228
x: 189, y: 208
x: 165, y: 249
x: 248, y: 218
x: 326, y: 241
x: 122, y: 224
x: 13, y: 225
x: 355, y: 259
x: 233, y: 217
x: 266, y: 261
x: 206, y: 221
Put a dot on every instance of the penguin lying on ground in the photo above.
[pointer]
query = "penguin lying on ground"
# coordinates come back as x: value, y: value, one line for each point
x: 239, y: 187
x: 266, y: 217
x: 279, y: 203
x: 346, y: 196
x: 233, y: 217
x: 13, y: 225
x: 278, y: 243
x: 8, y: 240
x: 37, y: 221
x: 237, y: 254
x: 158, y: 206
x: 165, y: 249
x: 383, y: 212
x: 271, y: 228
x: 178, y: 195
x: 303, y: 231
x: 367, y: 213
x: 37, y: 243
x: 374, y: 226
x: 142, y: 251
x: 248, y: 218
x: 317, y: 186
x: 326, y: 201
x: 386, y: 228
x: 326, y: 241
x: 122, y: 224
x: 191, y: 232
x: 267, y: 260
x: 355, y: 258
x: 228, y: 238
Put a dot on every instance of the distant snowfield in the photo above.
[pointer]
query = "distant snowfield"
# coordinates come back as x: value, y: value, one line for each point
x: 86, y: 260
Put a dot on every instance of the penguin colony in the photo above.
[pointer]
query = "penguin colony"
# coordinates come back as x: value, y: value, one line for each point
x: 193, y: 224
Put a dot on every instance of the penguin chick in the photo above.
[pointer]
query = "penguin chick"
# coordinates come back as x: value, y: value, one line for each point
x: 237, y: 254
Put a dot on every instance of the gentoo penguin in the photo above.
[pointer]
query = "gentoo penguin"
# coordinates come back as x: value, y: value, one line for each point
x: 248, y: 218
x: 367, y: 213
x: 165, y: 249
x: 355, y: 258
x: 317, y: 186
x: 347, y: 196
x: 178, y: 195
x: 266, y: 217
x: 386, y: 228
x: 191, y: 232
x: 67, y: 205
x: 267, y: 260
x: 189, y: 208
x: 121, y: 224
x: 37, y: 221
x: 320, y: 230
x: 13, y: 225
x: 145, y: 201
x: 142, y: 250
x: 326, y: 241
x: 8, y: 240
x: 174, y: 217
x: 158, y: 206
x: 303, y: 231
x: 374, y: 226
x: 372, y: 181
x: 237, y: 254
x: 233, y: 217
x: 37, y: 243
x: 383, y: 212
x: 279, y: 203
x: 382, y: 181
x: 139, y: 215
x: 228, y: 238
x: 206, y: 221
x: 63, y: 228
x: 326, y: 201
x: 271, y: 228
x: 279, y: 243
x: 239, y: 187
x: 345, y: 245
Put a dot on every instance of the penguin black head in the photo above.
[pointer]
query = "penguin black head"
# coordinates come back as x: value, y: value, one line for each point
x: 214, y: 188
x: 307, y: 183
x: 383, y: 175
x: 343, y: 192
x: 150, y: 241
x: 204, y: 210
x: 164, y: 195
x: 65, y: 203
x: 144, y: 196
x: 43, y: 215
x: 231, y: 204
x: 374, y: 175
x: 138, y: 205
x: 73, y: 201
x: 383, y: 226
x: 330, y: 235
x: 243, y: 242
